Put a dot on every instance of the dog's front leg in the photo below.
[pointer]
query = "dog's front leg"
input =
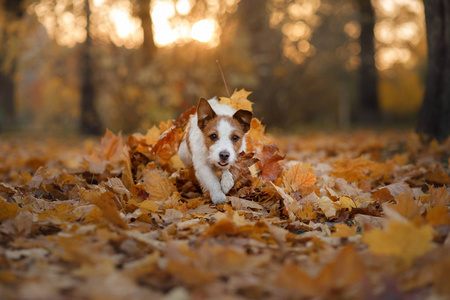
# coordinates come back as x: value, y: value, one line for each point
x: 227, y: 181
x: 210, y: 182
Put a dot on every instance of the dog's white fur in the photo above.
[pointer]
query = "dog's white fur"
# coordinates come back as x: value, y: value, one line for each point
x: 204, y: 160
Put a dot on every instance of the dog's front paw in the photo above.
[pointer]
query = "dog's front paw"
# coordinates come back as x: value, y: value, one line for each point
x: 218, y: 198
x: 226, y: 182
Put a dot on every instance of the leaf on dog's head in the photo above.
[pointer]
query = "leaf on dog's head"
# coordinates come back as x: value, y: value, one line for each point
x: 238, y: 100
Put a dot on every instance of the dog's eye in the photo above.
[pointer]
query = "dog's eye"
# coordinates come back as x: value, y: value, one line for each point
x: 213, y: 137
x: 235, y: 138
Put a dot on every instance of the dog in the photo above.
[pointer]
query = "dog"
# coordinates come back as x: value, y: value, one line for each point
x: 214, y: 137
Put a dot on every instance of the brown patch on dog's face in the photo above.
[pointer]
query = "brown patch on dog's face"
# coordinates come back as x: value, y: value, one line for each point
x: 212, y: 132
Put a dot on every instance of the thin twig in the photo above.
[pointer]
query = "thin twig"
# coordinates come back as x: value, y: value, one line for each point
x: 223, y: 78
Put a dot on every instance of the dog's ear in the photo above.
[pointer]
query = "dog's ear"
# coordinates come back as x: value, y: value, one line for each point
x: 244, y: 117
x: 204, y: 113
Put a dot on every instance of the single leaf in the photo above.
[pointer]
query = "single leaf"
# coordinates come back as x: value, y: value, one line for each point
x: 238, y: 100
x: 327, y: 206
x: 404, y: 241
x: 268, y: 162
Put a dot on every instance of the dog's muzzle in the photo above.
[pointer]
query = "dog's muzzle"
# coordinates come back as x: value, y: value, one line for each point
x: 224, y: 156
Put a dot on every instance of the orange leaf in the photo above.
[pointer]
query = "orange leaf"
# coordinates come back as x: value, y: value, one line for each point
x: 302, y: 178
x: 238, y: 100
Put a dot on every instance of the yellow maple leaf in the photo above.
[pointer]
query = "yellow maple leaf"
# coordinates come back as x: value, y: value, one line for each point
x: 347, y: 202
x: 149, y: 205
x: 402, y: 240
x: 238, y: 100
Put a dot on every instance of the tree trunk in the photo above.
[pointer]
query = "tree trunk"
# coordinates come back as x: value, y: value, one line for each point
x: 266, y: 52
x: 7, y: 96
x: 90, y: 120
x: 369, y: 110
x: 434, y: 117
x: 149, y: 46
x: 14, y: 11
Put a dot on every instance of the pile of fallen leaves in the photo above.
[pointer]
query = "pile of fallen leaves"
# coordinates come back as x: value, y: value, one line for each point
x: 360, y: 215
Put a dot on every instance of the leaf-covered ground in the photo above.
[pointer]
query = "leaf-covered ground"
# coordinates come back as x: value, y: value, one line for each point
x: 357, y: 215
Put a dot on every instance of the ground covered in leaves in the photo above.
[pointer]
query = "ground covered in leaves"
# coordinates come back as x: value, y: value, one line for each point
x: 357, y: 215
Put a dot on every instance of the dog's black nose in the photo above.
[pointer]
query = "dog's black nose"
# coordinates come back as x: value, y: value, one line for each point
x: 224, y: 155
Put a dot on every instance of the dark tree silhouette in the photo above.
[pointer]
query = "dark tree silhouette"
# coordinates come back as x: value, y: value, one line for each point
x: 368, y: 110
x: 90, y: 120
x: 434, y: 117
x: 266, y: 53
x: 143, y: 12
x: 14, y: 10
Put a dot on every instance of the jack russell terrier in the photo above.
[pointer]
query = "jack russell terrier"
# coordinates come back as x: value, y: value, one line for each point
x: 214, y: 137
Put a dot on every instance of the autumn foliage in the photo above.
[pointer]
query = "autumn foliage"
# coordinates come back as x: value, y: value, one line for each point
x: 361, y: 215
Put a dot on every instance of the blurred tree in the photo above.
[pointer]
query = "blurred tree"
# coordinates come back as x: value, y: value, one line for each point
x: 434, y: 117
x: 90, y: 122
x: 143, y: 12
x: 13, y: 11
x: 368, y: 107
x: 265, y: 47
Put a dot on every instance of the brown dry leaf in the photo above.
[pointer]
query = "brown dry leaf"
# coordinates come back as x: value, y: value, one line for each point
x: 20, y: 225
x: 8, y: 210
x: 290, y: 204
x: 156, y: 184
x: 240, y: 169
x: 438, y: 176
x: 306, y: 212
x: 382, y: 195
x: 327, y: 207
x: 439, y: 196
x: 151, y: 137
x: 348, y: 203
x: 406, y: 206
x: 148, y: 206
x: 302, y: 177
x: 238, y: 100
x: 438, y: 216
x: 404, y: 241
x: 241, y: 204
x: 106, y: 202
x: 268, y: 162
x: 353, y: 170
x: 256, y: 132
x: 111, y: 146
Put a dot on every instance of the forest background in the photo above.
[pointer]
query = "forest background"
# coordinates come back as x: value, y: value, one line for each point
x: 72, y: 65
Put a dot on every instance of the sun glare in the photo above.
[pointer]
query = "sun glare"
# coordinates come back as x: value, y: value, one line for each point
x: 122, y: 22
x: 183, y: 7
x: 203, y: 30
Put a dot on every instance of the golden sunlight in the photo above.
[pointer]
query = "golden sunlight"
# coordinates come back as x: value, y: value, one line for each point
x: 203, y: 30
x: 168, y: 31
x: 395, y: 37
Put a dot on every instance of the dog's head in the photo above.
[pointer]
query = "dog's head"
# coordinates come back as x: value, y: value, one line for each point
x: 223, y: 134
